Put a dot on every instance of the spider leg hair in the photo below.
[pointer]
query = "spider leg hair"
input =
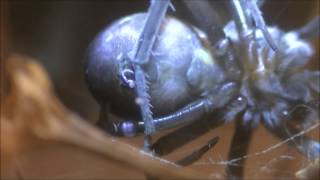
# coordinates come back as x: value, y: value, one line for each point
x: 155, y: 15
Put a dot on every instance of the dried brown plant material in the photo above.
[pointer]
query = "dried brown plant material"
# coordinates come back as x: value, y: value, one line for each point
x: 32, y: 113
x: 312, y: 171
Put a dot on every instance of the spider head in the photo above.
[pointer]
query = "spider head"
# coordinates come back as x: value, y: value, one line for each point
x: 274, y: 82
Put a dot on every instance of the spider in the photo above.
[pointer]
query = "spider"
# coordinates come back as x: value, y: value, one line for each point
x: 149, y: 65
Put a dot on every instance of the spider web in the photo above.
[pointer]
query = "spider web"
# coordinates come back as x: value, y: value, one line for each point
x: 286, y: 155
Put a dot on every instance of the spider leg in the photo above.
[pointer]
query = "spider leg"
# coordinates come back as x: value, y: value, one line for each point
x: 259, y: 22
x: 244, y: 24
x: 173, y: 140
x: 179, y: 137
x: 310, y: 30
x: 239, y: 147
x: 156, y: 13
x: 241, y: 138
x: 197, y: 154
x: 186, y: 134
x: 184, y: 116
x: 248, y: 17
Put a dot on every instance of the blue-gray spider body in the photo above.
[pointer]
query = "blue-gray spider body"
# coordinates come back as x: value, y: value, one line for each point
x: 181, y: 67
x: 190, y: 76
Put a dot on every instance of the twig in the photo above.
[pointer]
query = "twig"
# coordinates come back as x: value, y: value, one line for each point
x: 312, y: 171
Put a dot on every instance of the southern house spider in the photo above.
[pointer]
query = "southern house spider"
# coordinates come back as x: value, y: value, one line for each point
x: 161, y: 73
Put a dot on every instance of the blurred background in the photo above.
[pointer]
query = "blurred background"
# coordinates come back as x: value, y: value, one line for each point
x: 57, y: 34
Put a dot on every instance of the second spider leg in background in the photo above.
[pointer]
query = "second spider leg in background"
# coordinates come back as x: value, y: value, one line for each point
x: 247, y: 17
x: 155, y: 15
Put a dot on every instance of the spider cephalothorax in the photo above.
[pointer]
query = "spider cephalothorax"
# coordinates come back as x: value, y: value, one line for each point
x: 274, y: 82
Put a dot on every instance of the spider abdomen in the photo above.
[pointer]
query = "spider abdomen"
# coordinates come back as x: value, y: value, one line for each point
x: 180, y: 70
